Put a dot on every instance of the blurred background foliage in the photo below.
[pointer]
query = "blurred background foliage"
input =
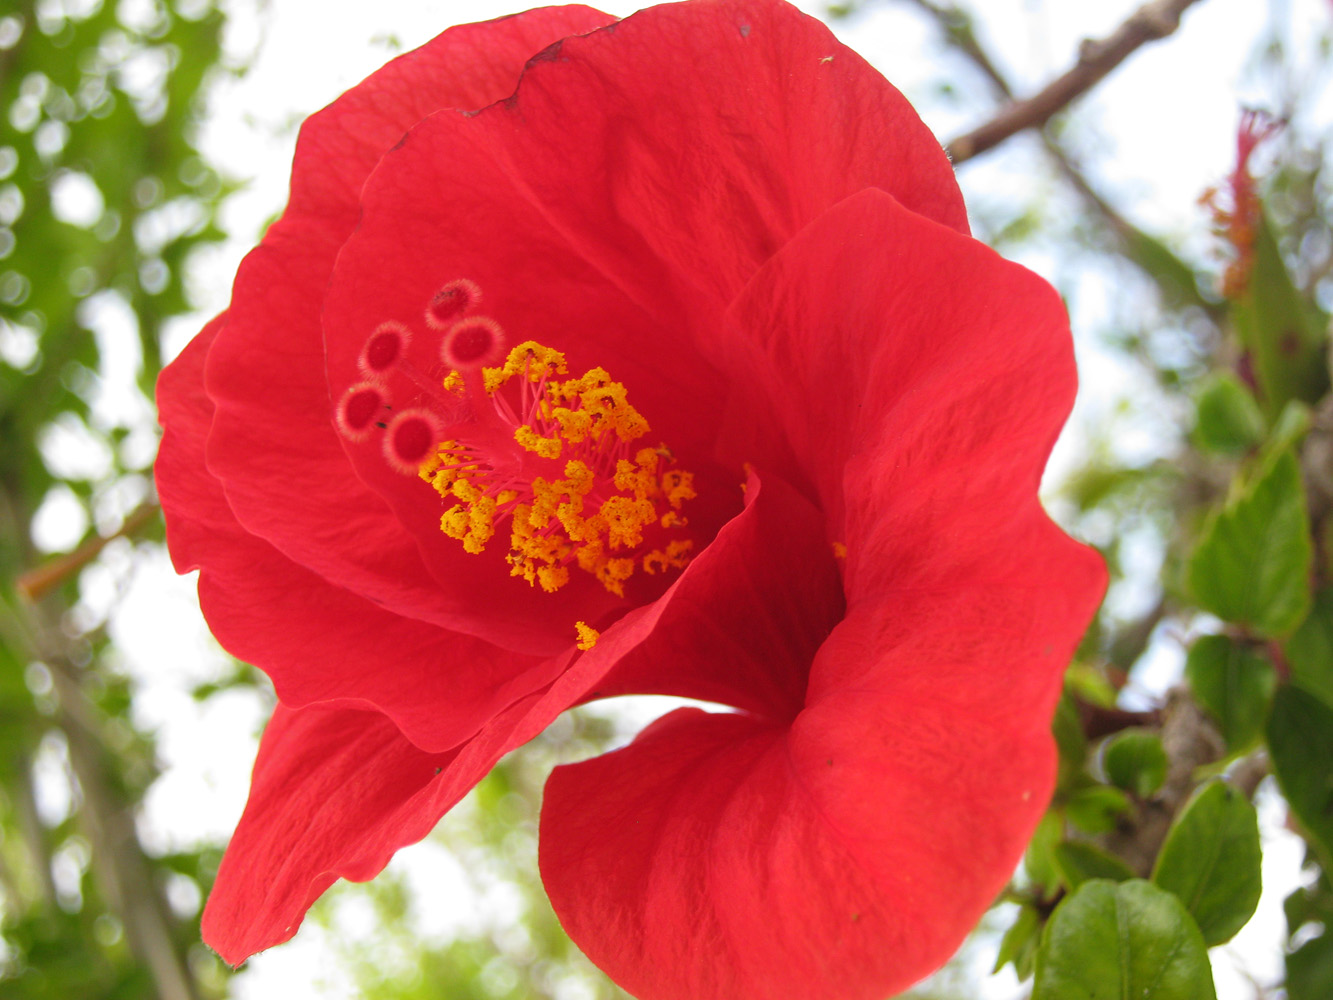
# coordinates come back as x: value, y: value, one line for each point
x: 1218, y: 533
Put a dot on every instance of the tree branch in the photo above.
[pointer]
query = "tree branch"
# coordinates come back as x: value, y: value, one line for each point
x: 1096, y: 59
x: 37, y: 583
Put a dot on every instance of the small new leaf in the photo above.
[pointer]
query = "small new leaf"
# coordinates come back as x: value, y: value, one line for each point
x: 1227, y: 419
x: 1111, y: 940
x: 1211, y: 861
x: 1094, y: 809
x: 1020, y: 941
x: 1252, y: 565
x: 1135, y: 761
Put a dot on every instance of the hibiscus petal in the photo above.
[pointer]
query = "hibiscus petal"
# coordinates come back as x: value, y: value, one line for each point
x: 744, y: 628
x: 336, y: 791
x: 318, y: 642
x: 721, y: 856
x: 273, y: 445
x: 940, y: 371
x: 623, y: 196
x: 922, y: 381
x: 343, y: 785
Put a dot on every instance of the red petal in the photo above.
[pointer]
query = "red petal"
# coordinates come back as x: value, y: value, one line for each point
x: 337, y: 791
x: 745, y: 621
x: 318, y: 642
x: 630, y: 188
x: 848, y: 855
x: 273, y: 445
x: 939, y: 370
x: 334, y: 792
x: 921, y: 382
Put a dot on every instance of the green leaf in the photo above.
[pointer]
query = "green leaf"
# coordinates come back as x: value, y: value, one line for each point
x: 1290, y: 428
x: 1310, y: 649
x: 1300, y: 743
x: 1282, y: 332
x: 1211, y: 861
x: 1135, y: 761
x: 1227, y: 419
x: 1094, y: 809
x: 1079, y: 862
x: 1234, y: 684
x: 1020, y: 941
x: 1310, y: 969
x: 1110, y: 941
x: 1070, y: 740
x: 1252, y: 565
x: 1038, y: 861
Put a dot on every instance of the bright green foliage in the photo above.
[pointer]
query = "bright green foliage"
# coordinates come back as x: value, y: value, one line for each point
x: 1135, y: 761
x: 1109, y: 941
x: 1234, y: 683
x: 1300, y: 741
x: 1310, y: 649
x: 1079, y: 862
x: 1227, y: 419
x: 1211, y: 861
x: 1252, y: 565
x: 103, y: 195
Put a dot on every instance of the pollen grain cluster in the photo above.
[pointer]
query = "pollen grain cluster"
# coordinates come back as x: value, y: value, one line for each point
x: 574, y: 489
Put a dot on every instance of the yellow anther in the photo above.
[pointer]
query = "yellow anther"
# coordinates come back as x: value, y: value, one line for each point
x: 530, y: 440
x: 552, y: 578
x: 625, y: 519
x: 678, y: 485
x: 594, y: 515
x: 575, y: 425
x: 587, y: 636
x: 839, y: 550
x: 613, y: 573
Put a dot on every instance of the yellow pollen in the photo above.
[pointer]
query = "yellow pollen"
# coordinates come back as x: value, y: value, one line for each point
x: 587, y: 636
x: 839, y: 550
x: 574, y: 491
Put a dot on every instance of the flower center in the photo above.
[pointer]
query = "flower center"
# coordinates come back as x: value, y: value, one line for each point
x: 518, y: 444
x: 575, y: 490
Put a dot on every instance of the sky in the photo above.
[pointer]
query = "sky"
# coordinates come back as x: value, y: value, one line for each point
x: 1162, y: 128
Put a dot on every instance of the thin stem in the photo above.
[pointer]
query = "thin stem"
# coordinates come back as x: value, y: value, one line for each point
x: 37, y: 583
x: 1096, y: 59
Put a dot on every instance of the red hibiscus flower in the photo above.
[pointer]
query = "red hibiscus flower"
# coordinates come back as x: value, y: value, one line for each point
x: 675, y: 372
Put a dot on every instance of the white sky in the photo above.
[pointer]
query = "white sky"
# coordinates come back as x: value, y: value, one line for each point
x: 1163, y: 127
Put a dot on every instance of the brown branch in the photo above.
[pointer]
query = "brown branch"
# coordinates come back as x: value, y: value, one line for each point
x: 37, y: 583
x: 956, y: 25
x: 1096, y: 59
x: 1102, y: 720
